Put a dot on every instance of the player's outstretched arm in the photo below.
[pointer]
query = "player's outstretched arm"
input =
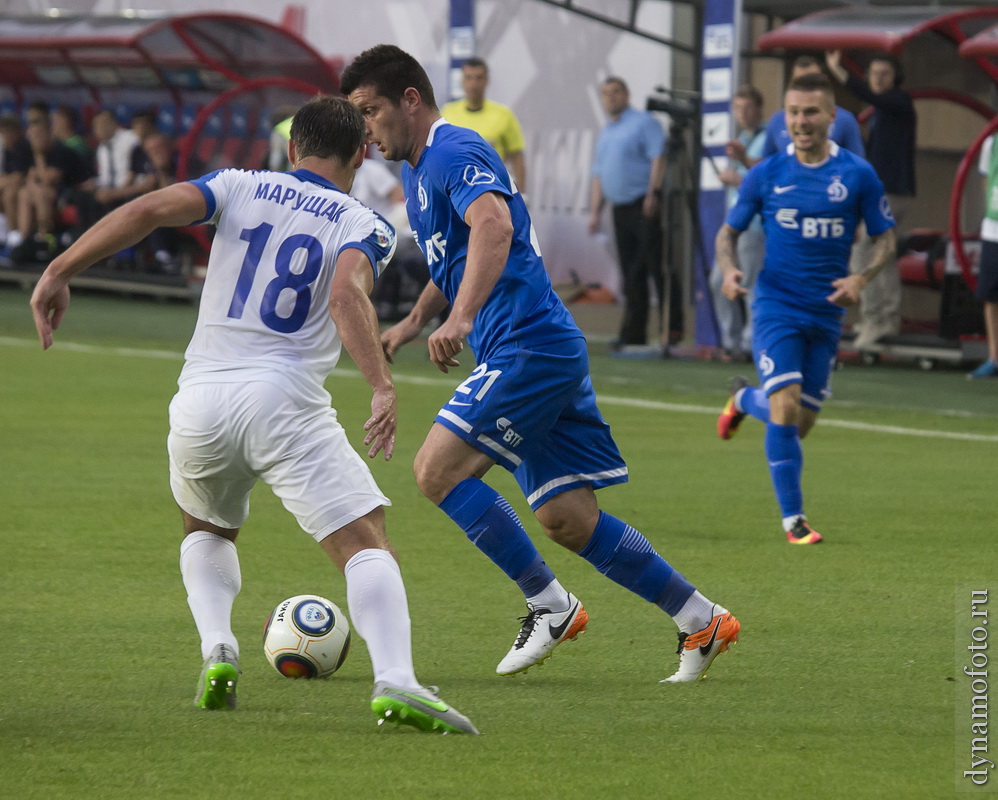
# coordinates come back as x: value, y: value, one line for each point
x: 177, y: 205
x: 430, y: 304
x: 357, y: 324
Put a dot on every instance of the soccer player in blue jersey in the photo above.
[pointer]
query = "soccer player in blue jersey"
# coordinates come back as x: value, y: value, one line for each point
x: 529, y: 403
x: 811, y: 198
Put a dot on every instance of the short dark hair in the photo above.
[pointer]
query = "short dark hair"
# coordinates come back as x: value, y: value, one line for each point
x: 42, y: 109
x: 619, y: 81
x: 390, y: 70
x: 476, y: 62
x: 71, y: 115
x: 748, y: 92
x: 893, y: 61
x: 812, y: 82
x: 328, y: 127
x: 10, y: 122
x: 805, y: 62
x: 147, y: 114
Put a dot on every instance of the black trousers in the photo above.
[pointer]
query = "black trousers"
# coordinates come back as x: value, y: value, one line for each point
x: 639, y: 249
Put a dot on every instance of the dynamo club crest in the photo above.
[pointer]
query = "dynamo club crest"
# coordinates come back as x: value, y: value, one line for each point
x: 837, y: 191
x: 421, y: 195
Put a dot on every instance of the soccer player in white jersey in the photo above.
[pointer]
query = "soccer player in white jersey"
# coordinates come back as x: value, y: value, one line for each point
x: 811, y: 198
x: 529, y: 404
x: 292, y: 263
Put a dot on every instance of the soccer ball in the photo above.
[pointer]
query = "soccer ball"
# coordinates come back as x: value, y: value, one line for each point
x: 306, y: 636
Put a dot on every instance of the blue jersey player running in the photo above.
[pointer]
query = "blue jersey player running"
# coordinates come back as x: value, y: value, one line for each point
x: 529, y: 403
x: 811, y: 198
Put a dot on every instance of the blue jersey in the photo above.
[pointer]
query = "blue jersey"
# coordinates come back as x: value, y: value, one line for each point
x: 809, y: 215
x: 455, y: 168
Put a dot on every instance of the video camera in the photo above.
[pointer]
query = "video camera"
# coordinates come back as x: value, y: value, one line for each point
x: 681, y: 109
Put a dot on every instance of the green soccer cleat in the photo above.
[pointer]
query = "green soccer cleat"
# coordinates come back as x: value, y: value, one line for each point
x: 420, y: 708
x: 219, y: 676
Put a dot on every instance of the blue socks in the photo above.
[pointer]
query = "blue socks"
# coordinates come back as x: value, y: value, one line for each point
x: 626, y: 557
x: 615, y: 549
x: 493, y: 527
x: 753, y: 401
x: 786, y: 462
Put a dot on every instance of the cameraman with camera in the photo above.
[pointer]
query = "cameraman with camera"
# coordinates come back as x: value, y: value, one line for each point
x: 628, y: 171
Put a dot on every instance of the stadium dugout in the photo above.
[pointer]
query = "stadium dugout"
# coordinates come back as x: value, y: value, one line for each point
x: 214, y: 81
x: 957, y: 45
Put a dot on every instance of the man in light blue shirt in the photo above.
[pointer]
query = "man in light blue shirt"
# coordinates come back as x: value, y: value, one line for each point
x: 628, y: 170
x: 734, y: 317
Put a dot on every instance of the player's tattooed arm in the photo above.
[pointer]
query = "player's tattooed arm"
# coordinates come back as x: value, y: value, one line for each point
x: 724, y: 253
x: 847, y: 290
x: 883, y: 248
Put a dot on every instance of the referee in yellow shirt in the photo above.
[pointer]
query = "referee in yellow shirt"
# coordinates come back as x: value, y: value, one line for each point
x: 494, y: 122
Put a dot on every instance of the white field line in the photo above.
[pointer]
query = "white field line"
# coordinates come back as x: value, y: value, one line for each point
x: 610, y: 400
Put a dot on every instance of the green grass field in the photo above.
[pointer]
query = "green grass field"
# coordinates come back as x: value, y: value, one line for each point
x: 842, y: 684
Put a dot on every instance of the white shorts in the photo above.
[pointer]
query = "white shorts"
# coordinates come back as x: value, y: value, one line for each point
x: 226, y: 436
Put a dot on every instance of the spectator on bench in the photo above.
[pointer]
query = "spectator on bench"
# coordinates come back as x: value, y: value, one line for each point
x: 66, y: 128
x: 37, y: 111
x: 160, y: 163
x: 143, y: 126
x: 17, y: 160
x: 115, y: 180
x: 55, y: 171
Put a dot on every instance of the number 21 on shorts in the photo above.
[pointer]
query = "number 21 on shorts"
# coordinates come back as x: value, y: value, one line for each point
x: 479, y: 373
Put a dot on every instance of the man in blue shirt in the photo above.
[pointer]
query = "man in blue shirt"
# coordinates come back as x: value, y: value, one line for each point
x: 844, y: 128
x: 734, y: 317
x: 628, y: 170
x: 811, y: 200
x: 529, y: 405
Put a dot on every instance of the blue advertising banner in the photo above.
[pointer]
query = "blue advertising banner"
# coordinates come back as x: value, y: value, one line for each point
x: 461, y: 41
x: 719, y: 79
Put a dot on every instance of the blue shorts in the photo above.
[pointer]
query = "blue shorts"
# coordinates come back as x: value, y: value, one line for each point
x: 534, y: 412
x: 793, y: 348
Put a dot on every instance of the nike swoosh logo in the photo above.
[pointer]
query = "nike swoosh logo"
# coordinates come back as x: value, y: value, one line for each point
x: 437, y: 704
x: 705, y: 648
x: 782, y: 189
x: 558, y: 631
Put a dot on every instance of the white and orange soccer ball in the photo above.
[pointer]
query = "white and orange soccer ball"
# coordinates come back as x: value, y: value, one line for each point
x: 306, y: 636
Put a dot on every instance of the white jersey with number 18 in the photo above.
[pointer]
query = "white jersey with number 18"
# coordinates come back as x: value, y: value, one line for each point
x: 264, y: 312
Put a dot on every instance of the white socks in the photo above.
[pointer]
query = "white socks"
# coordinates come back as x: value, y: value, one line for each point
x: 376, y: 598
x: 380, y: 614
x: 553, y: 597
x: 209, y: 565
x: 696, y: 613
